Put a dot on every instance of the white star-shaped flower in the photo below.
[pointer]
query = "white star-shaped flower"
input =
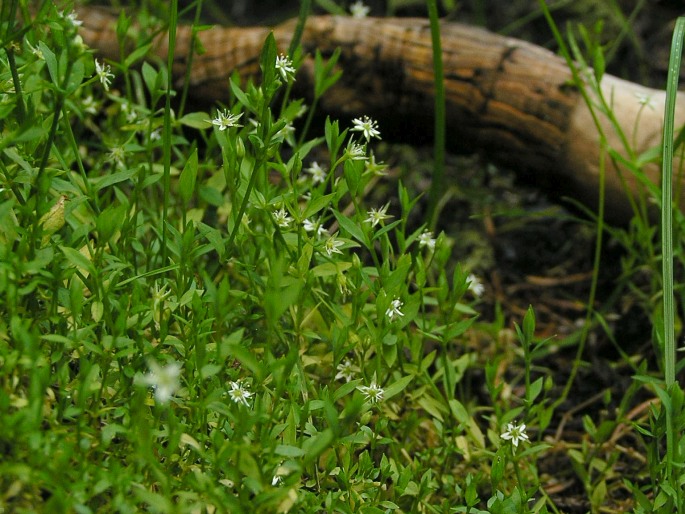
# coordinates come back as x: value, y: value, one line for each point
x: 356, y: 152
x: 426, y: 239
x: 373, y: 393
x: 284, y: 66
x: 515, y: 433
x: 239, y: 393
x: 224, y: 119
x: 317, y: 172
x: 314, y: 226
x: 332, y: 245
x: 104, y: 73
x: 394, y: 311
x: 282, y: 218
x: 367, y: 126
x: 376, y: 216
x: 346, y: 370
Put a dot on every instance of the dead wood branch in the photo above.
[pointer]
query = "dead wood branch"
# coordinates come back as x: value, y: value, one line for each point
x: 507, y: 98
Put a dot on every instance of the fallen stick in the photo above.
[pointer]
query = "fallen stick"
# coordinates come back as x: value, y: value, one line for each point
x: 507, y: 98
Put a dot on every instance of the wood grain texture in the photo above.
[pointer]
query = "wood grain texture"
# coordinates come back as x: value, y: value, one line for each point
x: 505, y: 97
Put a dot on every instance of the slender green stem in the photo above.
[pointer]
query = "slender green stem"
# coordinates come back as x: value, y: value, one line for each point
x: 582, y: 89
x: 438, y: 179
x: 191, y: 54
x: 166, y: 136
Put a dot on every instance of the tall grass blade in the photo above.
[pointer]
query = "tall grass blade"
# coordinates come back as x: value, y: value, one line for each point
x: 667, y: 202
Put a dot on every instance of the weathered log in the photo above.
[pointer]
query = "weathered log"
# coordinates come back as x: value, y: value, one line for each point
x: 507, y: 98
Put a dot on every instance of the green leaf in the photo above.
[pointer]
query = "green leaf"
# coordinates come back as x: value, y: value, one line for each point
x: 286, y: 450
x: 345, y: 389
x: 197, y: 120
x: 330, y: 268
x: 353, y: 174
x: 316, y: 445
x: 114, y: 178
x: 209, y: 370
x: 77, y: 259
x: 351, y: 227
x: 241, y: 96
x: 78, y: 71
x: 398, y: 277
x: 529, y: 324
x: 188, y: 177
x: 535, y: 390
x: 317, y: 204
x: 51, y: 61
x: 109, y: 221
x: 267, y: 62
x: 457, y: 329
x: 137, y: 54
x: 149, y: 76
x: 397, y: 387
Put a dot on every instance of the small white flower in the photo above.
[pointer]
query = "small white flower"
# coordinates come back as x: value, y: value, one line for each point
x: 346, y: 370
x: 367, y: 126
x: 356, y: 152
x: 117, y: 154
x: 156, y: 134
x: 317, y: 173
x: 314, y: 226
x: 282, y: 218
x: 376, y: 216
x: 239, y: 394
x: 104, y: 73
x: 164, y: 380
x: 359, y: 9
x: 276, y: 480
x: 287, y: 133
x: 129, y: 112
x: 645, y: 100
x: 224, y: 119
x: 332, y: 245
x: 475, y: 285
x: 515, y: 433
x: 71, y: 17
x: 89, y: 105
x: 426, y: 239
x: 374, y: 393
x: 394, y: 310
x: 284, y: 66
